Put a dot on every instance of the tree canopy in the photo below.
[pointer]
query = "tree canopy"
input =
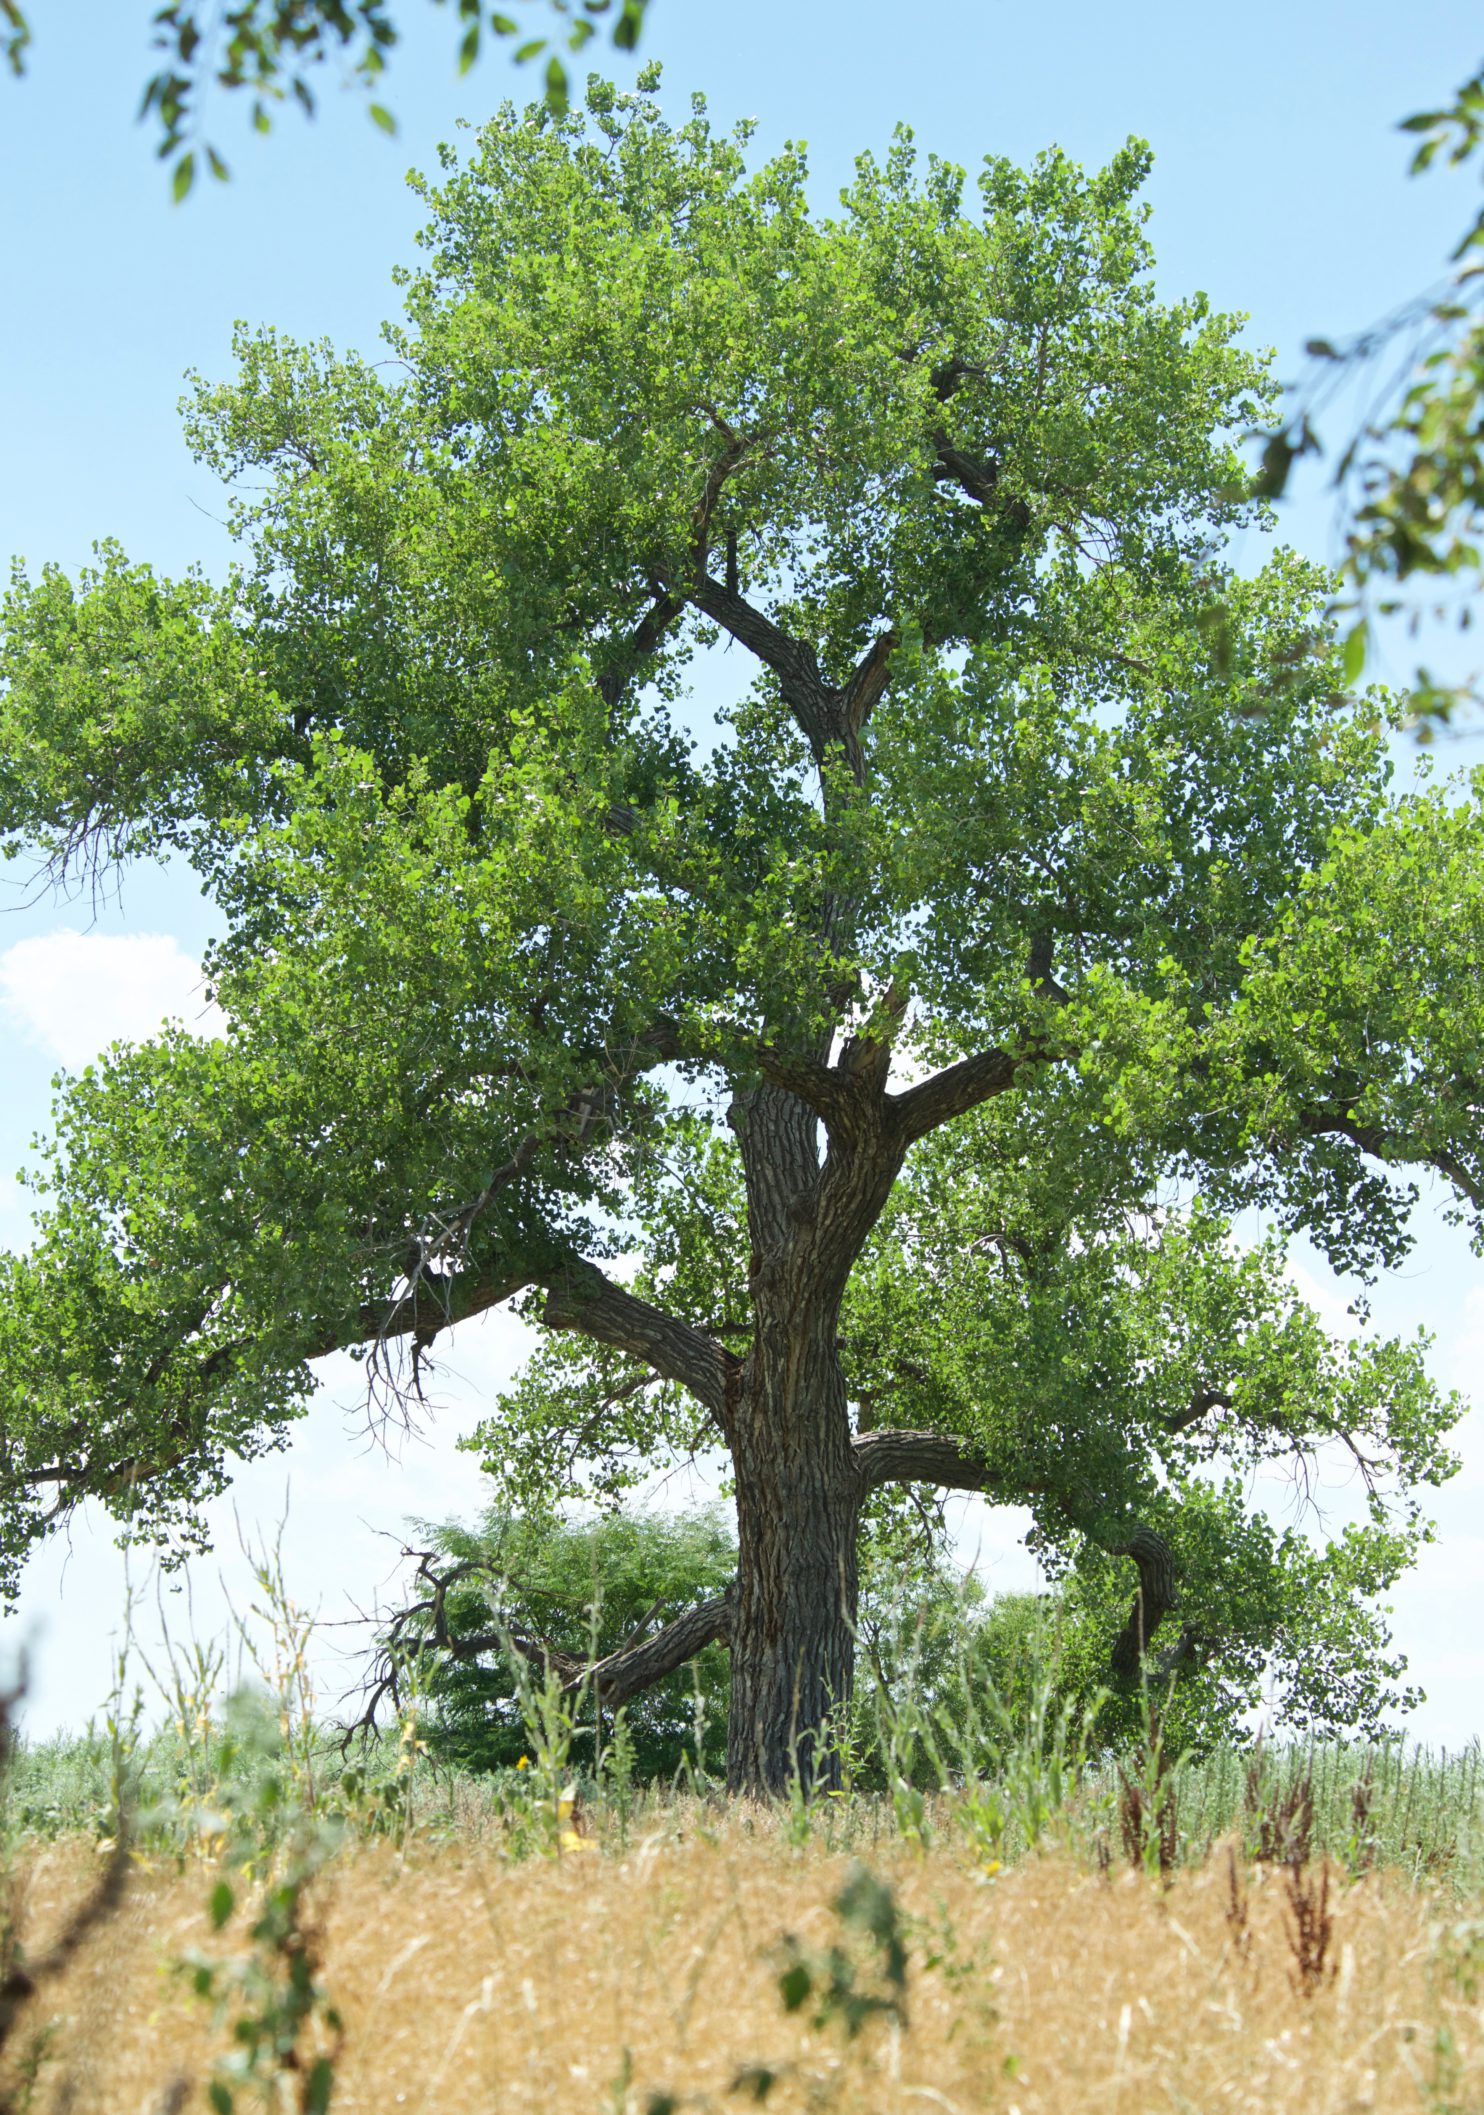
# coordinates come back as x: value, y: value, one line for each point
x: 752, y: 817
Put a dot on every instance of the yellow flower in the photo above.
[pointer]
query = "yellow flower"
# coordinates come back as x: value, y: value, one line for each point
x: 524, y: 1763
x: 990, y: 1867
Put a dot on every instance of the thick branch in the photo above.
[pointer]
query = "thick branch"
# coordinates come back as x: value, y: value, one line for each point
x: 625, y: 1673
x: 813, y: 702
x: 642, y: 641
x: 933, y: 1457
x: 1154, y: 1597
x: 634, y: 1668
x: 950, y: 377
x: 586, y: 1114
x: 1390, y: 1147
x: 962, y: 1087
x: 579, y: 1297
x: 978, y: 477
x: 1203, y: 1400
x: 903, y: 1456
x: 863, y: 692
x: 819, y: 1085
x: 975, y: 477
x: 441, y: 1287
x: 825, y: 712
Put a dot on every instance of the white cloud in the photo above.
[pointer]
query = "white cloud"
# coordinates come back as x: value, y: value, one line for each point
x: 75, y: 993
x: 1325, y: 1294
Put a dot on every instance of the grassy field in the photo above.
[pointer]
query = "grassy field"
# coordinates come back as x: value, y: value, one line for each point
x: 660, y: 1976
x: 231, y: 1913
x: 1295, y: 1931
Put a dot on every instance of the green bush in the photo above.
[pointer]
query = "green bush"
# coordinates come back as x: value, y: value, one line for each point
x: 585, y: 1587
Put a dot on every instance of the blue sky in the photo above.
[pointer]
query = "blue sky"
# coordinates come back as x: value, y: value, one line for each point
x: 1279, y: 188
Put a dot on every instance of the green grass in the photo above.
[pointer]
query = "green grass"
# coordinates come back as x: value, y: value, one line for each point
x: 1392, y: 1804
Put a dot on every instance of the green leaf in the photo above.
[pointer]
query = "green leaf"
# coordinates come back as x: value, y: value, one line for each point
x: 1277, y: 460
x: 1353, y: 652
x: 218, y: 167
x: 184, y: 177
x: 756, y: 2081
x: 382, y: 117
x: 319, y: 2086
x: 628, y: 26
x: 795, y: 1985
x: 220, y: 2097
x: 221, y: 1904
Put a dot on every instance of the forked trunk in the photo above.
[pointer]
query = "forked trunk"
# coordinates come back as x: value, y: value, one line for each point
x: 793, y: 1626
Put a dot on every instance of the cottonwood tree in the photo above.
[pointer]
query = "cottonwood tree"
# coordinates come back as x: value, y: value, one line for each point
x: 735, y: 829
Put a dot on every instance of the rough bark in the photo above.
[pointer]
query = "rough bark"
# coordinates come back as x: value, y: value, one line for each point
x: 788, y: 1425
x: 582, y: 1297
x: 1154, y: 1597
x: 793, y: 1629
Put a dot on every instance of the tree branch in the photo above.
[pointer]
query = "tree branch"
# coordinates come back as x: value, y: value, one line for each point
x: 813, y: 702
x: 934, y: 1457
x: 634, y: 1668
x: 1203, y: 1400
x: 826, y: 712
x: 1391, y: 1147
x: 961, y: 1087
x: 1154, y: 1597
x: 950, y: 376
x: 868, y: 681
x: 641, y: 642
x: 820, y: 1085
x: 978, y: 477
x: 580, y: 1297
x: 441, y: 1286
x: 903, y: 1456
x: 586, y: 1112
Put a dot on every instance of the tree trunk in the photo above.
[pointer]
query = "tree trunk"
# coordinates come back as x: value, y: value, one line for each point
x: 798, y: 1503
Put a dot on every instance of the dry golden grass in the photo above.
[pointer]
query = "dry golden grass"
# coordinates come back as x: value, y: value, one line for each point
x: 594, y: 1982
